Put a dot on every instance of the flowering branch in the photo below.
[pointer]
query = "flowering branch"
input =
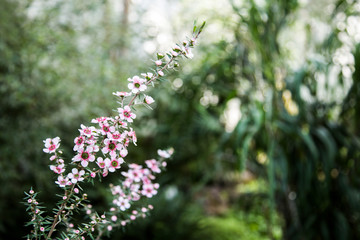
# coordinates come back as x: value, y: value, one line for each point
x: 99, y: 151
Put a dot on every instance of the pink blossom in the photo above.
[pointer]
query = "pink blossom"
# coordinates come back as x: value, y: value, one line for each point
x: 121, y: 94
x: 113, y: 164
x: 51, y: 144
x: 76, y: 175
x: 158, y: 62
x: 62, y: 182
x: 164, y: 153
x: 187, y: 52
x: 125, y: 113
x: 106, y: 128
x: 149, y: 100
x: 136, y: 84
x: 79, y: 142
x: 148, y: 75
x: 85, y: 156
x: 99, y: 120
x: 58, y: 169
x: 114, y: 136
x: 161, y: 73
x: 135, y: 175
x: 87, y: 131
x: 123, y: 203
x: 101, y: 163
x: 132, y: 136
x: 153, y: 165
x: 110, y: 147
x: 123, y: 152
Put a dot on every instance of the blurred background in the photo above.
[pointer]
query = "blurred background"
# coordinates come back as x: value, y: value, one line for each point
x: 265, y: 120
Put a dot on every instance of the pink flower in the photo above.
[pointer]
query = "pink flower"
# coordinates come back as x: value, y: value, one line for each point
x: 125, y: 113
x: 87, y: 131
x: 136, y: 84
x: 62, y: 182
x: 76, y: 176
x: 106, y: 128
x: 153, y: 165
x: 123, y: 152
x: 187, y: 52
x: 114, y: 136
x: 51, y: 144
x: 99, y: 120
x: 123, y: 203
x: 132, y: 136
x: 164, y: 153
x: 148, y: 75
x: 161, y: 73
x: 101, y: 163
x: 110, y: 147
x: 149, y: 100
x: 121, y: 94
x: 79, y: 142
x: 58, y: 169
x: 113, y: 164
x: 135, y: 175
x: 85, y: 156
x: 158, y: 62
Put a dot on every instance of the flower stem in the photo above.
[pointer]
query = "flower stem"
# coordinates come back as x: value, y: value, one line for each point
x: 56, y: 222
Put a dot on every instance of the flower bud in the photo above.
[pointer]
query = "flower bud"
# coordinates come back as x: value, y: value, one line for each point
x: 160, y: 56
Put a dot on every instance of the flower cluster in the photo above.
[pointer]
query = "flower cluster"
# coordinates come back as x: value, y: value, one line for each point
x: 102, y: 149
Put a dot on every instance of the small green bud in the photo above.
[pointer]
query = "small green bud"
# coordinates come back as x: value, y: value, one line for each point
x: 160, y: 56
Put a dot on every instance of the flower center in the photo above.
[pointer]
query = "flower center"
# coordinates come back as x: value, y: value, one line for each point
x: 84, y: 155
x: 127, y: 114
x: 112, y: 146
x: 137, y: 85
x: 52, y: 147
x: 114, y: 163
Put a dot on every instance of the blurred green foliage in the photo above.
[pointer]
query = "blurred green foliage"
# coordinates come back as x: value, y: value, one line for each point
x: 288, y: 168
